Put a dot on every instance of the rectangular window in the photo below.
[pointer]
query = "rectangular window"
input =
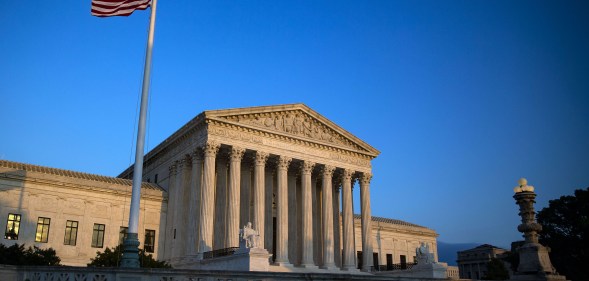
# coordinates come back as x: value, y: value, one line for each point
x: 149, y: 243
x: 12, y: 227
x: 123, y: 234
x: 98, y: 236
x: 42, y: 234
x: 71, y: 233
x: 155, y: 179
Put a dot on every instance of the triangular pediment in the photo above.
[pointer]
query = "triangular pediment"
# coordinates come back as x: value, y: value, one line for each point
x: 294, y: 121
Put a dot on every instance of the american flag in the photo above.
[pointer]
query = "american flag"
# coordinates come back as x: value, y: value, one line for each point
x: 109, y: 8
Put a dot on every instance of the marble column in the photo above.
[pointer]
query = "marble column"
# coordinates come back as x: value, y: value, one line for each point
x: 194, y: 202
x: 259, y: 196
x: 282, y: 212
x: 220, y: 222
x: 170, y: 211
x: 348, y: 259
x: 366, y: 217
x: 181, y: 203
x: 246, y: 193
x: 269, y: 207
x: 208, y: 198
x: 327, y: 215
x: 307, y: 231
x: 292, y: 218
x: 233, y: 196
x: 316, y: 214
x: 337, y: 224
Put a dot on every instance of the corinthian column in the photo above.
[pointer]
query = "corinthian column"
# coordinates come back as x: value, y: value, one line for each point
x: 348, y: 262
x: 259, y: 200
x: 366, y: 221
x: 282, y: 212
x: 194, y: 202
x: 307, y: 231
x: 233, y: 197
x: 208, y: 198
x: 180, y: 209
x: 327, y: 214
x: 170, y: 213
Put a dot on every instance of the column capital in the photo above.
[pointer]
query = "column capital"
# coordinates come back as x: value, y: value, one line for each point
x: 347, y: 175
x: 283, y: 162
x: 210, y: 148
x: 260, y: 158
x: 173, y: 168
x: 182, y: 162
x: 236, y: 153
x: 327, y: 170
x: 196, y: 155
x: 307, y: 167
x: 365, y: 178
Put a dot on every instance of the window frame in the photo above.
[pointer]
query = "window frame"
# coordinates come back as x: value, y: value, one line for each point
x: 96, y: 234
x: 42, y: 230
x: 149, y: 247
x: 123, y: 234
x: 73, y: 231
x: 15, y: 223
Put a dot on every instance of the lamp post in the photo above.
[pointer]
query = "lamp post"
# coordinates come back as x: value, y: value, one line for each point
x: 534, y: 262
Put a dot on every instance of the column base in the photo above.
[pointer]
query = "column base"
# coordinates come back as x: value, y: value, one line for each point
x: 283, y: 263
x: 308, y: 266
x: 330, y: 267
x: 350, y: 268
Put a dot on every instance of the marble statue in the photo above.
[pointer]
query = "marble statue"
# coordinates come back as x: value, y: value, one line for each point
x: 250, y: 236
x: 424, y: 255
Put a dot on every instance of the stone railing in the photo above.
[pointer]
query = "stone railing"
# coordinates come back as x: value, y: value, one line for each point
x: 66, y: 273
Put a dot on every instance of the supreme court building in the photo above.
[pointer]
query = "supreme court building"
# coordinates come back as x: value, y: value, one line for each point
x: 285, y: 168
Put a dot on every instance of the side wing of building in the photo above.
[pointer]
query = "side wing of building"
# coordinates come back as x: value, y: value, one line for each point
x: 77, y: 214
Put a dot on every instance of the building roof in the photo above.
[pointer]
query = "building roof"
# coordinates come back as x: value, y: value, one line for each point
x: 391, y: 221
x: 73, y: 174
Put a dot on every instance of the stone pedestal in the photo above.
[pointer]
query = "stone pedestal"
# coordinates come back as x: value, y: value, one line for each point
x: 431, y: 270
x: 244, y: 259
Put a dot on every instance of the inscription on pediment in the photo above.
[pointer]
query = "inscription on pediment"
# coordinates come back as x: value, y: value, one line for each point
x: 296, y: 123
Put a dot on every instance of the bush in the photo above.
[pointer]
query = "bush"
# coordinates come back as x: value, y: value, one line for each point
x: 112, y: 258
x: 19, y: 255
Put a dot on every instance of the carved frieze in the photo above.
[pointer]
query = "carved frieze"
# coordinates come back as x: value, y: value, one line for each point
x: 250, y: 137
x: 295, y: 123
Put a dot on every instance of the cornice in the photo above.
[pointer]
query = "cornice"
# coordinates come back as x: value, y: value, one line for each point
x: 155, y: 195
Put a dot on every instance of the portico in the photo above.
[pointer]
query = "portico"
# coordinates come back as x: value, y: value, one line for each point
x: 283, y: 168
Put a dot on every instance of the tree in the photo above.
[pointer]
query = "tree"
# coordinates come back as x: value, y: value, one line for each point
x: 565, y: 231
x: 496, y: 270
x: 112, y: 258
x: 19, y: 255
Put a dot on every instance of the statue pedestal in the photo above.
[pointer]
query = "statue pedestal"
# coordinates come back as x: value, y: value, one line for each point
x: 534, y: 264
x: 244, y: 259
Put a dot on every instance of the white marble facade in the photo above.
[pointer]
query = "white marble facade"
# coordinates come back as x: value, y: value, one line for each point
x: 285, y: 168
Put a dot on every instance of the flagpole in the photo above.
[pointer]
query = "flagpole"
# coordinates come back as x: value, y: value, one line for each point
x: 131, y: 244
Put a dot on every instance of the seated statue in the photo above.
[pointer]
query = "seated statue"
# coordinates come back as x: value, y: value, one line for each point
x: 250, y: 236
x: 423, y: 254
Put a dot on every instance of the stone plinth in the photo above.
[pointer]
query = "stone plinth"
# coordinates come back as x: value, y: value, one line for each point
x: 430, y: 270
x: 244, y: 259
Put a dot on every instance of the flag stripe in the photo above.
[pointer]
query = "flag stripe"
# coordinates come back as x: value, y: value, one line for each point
x: 109, y: 8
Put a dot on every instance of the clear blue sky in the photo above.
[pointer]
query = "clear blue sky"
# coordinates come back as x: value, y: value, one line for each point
x: 461, y: 97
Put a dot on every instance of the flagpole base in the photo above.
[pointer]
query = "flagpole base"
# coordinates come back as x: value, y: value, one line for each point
x: 130, y: 251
